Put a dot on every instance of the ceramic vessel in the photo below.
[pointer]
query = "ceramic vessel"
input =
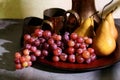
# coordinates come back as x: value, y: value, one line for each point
x: 85, y: 8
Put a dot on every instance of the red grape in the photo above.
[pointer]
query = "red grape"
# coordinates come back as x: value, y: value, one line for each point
x: 53, y: 46
x: 74, y: 36
x: 28, y: 46
x: 57, y: 51
x: 37, y: 52
x: 26, y: 52
x: 17, y: 55
x: 71, y: 43
x: 80, y: 40
x: 44, y: 52
x: 33, y: 58
x: 27, y: 58
x: 65, y: 38
x: 29, y: 63
x: 37, y: 42
x: 42, y: 40
x: 31, y: 40
x: 88, y: 41
x: 88, y: 60
x: 80, y: 59
x: 93, y: 56
x: 91, y: 50
x: 45, y: 46
x: 70, y: 50
x: 33, y: 48
x: 27, y: 37
x: 85, y: 38
x: 54, y: 36
x: 47, y: 34
x: 18, y: 66
x: 83, y: 45
x: 55, y: 58
x: 38, y: 32
x: 63, y: 57
x: 59, y: 43
x: 79, y: 51
x: 58, y: 37
x: 86, y: 54
x: 17, y: 61
x: 22, y: 59
x: 51, y: 41
x: 71, y: 58
x: 77, y: 45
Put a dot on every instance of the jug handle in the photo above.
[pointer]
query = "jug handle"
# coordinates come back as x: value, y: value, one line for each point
x: 47, y: 25
x: 75, y: 14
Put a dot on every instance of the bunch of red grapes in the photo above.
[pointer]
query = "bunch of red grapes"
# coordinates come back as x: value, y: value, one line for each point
x: 43, y: 44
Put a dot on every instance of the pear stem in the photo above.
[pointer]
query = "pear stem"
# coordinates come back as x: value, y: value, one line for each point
x: 114, y: 9
x: 95, y: 13
x: 105, y: 7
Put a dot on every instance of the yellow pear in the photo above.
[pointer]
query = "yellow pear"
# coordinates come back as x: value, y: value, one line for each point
x: 113, y: 28
x: 104, y: 43
x: 86, y: 28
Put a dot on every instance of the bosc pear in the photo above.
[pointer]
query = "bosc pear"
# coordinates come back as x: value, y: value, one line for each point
x: 86, y: 28
x: 104, y: 43
x: 113, y: 28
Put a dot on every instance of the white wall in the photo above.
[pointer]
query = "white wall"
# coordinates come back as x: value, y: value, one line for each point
x: 24, y: 8
x: 100, y: 4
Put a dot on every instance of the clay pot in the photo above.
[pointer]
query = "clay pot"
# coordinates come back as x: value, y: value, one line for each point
x: 85, y: 8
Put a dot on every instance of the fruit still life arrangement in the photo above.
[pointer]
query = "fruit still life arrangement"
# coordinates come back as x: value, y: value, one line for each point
x: 83, y: 45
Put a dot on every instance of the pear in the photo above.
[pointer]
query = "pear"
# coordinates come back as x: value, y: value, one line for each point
x: 104, y: 43
x: 86, y: 28
x: 113, y: 28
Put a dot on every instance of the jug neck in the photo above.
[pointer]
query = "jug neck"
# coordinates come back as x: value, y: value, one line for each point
x: 84, y: 8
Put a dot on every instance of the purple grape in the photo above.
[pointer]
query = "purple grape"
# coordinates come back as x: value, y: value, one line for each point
x: 44, y: 52
x: 51, y: 41
x: 45, y: 46
x: 33, y: 58
x: 67, y: 33
x: 37, y: 42
x: 47, y: 34
x: 28, y: 46
x: 33, y: 48
x: 59, y: 43
x: 42, y: 40
x: 53, y: 46
x: 65, y: 38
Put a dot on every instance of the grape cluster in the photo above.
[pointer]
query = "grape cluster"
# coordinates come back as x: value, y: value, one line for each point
x: 43, y: 44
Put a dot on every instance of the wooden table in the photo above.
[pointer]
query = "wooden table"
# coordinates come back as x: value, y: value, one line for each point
x: 10, y: 32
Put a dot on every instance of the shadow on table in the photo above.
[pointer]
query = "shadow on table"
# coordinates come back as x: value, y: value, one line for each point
x: 10, y: 38
x: 106, y: 74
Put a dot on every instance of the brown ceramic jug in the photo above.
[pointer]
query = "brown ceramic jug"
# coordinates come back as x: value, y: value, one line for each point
x: 85, y: 8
